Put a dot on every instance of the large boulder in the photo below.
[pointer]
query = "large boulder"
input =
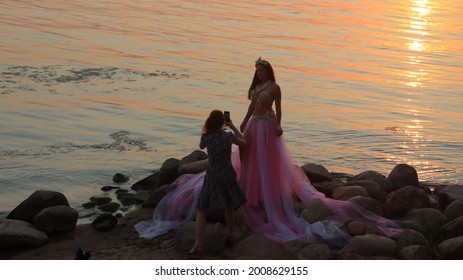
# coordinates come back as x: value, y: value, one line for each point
x: 316, y: 211
x: 449, y: 194
x: 403, y: 175
x: 194, y: 167
x: 452, y: 229
x: 35, y: 203
x: 374, y: 189
x: 316, y: 172
x: 370, y: 245
x: 411, y: 237
x: 386, y: 186
x: 429, y: 219
x: 17, y: 233
x: 347, y: 192
x: 327, y: 187
x: 56, y: 219
x: 148, y: 183
x: 294, y: 246
x: 452, y: 249
x: 405, y: 199
x: 155, y: 197
x: 259, y: 247
x: 192, y: 157
x: 370, y: 204
x: 316, y: 252
x: 168, y: 172
x: 454, y: 210
x: 418, y: 252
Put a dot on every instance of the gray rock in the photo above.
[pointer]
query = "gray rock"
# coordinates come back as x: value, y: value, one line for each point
x: 386, y: 186
x: 356, y: 228
x: 405, y: 199
x: 316, y: 172
x: 17, y: 233
x: 403, y: 175
x: 316, y: 252
x: 100, y: 199
x: 120, y: 178
x: 88, y: 205
x: 259, y: 247
x: 149, y: 183
x: 418, y: 252
x: 104, y: 222
x: 56, y: 219
x: 168, y: 172
x: 374, y: 189
x: 411, y: 237
x: 327, y: 187
x: 451, y: 249
x: 454, y: 210
x: 370, y: 245
x: 449, y: 194
x: 293, y: 247
x: 156, y: 196
x: 347, y: 192
x: 194, y: 167
x: 452, y: 229
x: 370, y: 204
x: 128, y: 200
x: 108, y: 188
x: 429, y: 219
x: 192, y: 157
x: 316, y: 211
x: 413, y: 225
x: 35, y: 203
x: 109, y: 207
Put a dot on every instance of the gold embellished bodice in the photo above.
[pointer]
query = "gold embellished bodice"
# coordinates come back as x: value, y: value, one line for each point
x: 264, y: 101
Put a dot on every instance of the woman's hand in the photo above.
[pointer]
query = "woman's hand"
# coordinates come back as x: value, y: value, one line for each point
x: 279, y: 130
x: 229, y: 123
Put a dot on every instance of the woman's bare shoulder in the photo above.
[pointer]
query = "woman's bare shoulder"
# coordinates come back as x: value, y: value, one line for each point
x: 275, y: 90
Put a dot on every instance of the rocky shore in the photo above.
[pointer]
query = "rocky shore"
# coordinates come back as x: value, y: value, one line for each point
x: 44, y: 226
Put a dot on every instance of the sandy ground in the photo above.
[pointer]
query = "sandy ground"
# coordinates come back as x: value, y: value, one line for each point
x: 121, y: 243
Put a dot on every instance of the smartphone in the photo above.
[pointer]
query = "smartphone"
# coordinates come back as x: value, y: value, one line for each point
x: 227, y: 115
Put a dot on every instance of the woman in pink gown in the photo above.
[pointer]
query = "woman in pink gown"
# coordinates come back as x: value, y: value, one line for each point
x: 269, y: 179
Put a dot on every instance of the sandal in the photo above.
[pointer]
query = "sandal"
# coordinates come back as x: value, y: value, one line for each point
x: 195, y: 251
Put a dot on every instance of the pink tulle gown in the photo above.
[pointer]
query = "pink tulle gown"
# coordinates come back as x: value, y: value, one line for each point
x: 270, y: 181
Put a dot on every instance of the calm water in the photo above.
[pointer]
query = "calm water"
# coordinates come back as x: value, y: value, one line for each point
x: 92, y: 88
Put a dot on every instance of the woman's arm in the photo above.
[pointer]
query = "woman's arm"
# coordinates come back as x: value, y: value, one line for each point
x: 277, y: 97
x: 241, y: 142
x: 201, y: 145
x: 248, y: 115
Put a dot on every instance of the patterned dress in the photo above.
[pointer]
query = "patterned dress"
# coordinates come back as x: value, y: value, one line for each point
x: 220, y: 188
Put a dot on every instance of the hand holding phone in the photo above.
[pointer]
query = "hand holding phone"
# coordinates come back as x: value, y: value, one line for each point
x: 227, y: 116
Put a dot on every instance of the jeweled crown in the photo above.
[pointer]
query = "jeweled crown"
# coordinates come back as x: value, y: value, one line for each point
x: 262, y: 62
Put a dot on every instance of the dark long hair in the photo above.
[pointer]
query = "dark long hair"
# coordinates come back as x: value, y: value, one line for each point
x: 255, y: 80
x: 214, y: 122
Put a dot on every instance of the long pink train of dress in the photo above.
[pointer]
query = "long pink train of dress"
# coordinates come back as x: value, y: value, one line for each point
x: 270, y: 180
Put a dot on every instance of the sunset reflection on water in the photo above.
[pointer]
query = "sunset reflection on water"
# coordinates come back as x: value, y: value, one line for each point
x: 365, y: 84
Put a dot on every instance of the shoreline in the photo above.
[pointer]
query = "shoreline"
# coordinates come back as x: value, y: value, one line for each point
x: 123, y: 243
